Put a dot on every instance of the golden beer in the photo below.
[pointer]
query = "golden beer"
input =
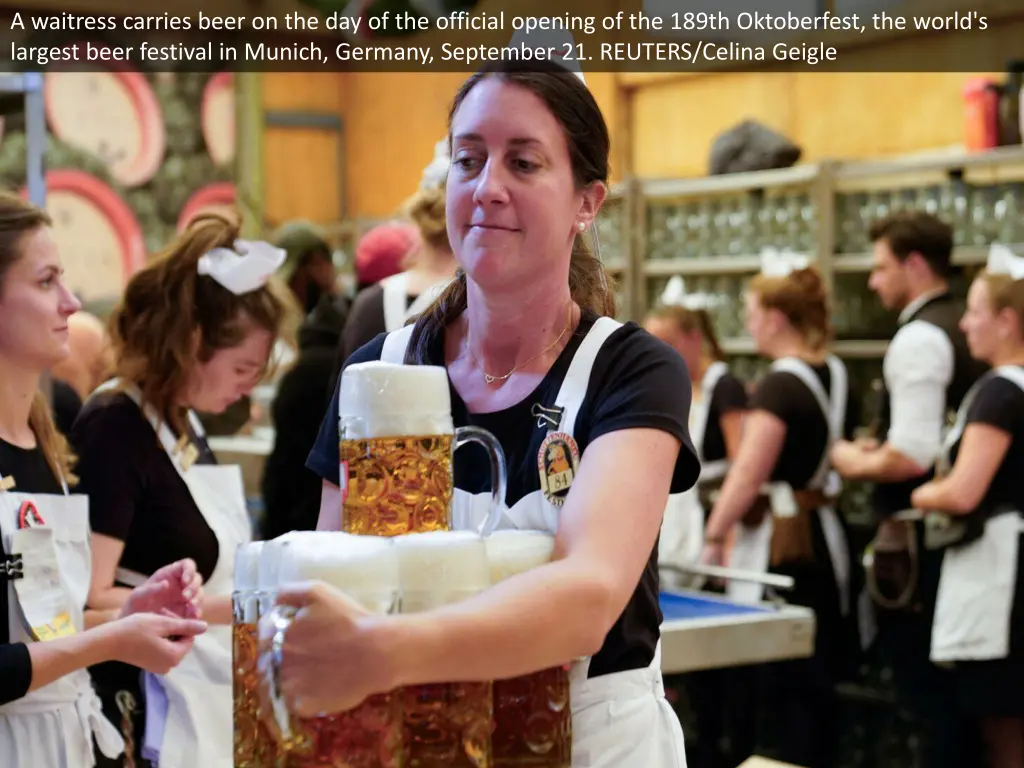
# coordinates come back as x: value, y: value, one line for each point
x: 369, y: 736
x: 397, y: 485
x: 254, y: 747
x: 396, y: 445
x: 446, y: 724
x: 532, y: 717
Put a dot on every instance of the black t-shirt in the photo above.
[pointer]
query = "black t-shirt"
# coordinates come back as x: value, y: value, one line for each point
x: 785, y: 396
x: 365, y: 320
x: 636, y: 381
x: 32, y: 474
x: 1000, y: 404
x: 729, y: 395
x: 135, y: 493
x: 66, y: 405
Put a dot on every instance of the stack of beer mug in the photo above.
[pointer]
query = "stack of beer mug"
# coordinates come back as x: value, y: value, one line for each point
x: 396, y: 445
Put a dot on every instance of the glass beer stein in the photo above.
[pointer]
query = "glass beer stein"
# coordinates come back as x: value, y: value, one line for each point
x: 532, y: 718
x: 396, y: 446
x: 370, y: 735
x: 446, y: 724
x: 251, y: 737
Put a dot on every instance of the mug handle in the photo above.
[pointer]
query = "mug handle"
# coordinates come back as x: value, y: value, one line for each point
x: 499, y: 473
x: 281, y: 617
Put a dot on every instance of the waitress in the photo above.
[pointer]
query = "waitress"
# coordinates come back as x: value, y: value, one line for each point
x: 429, y: 266
x: 49, y: 713
x: 716, y: 417
x: 533, y: 355
x: 193, y: 333
x: 979, y: 615
x: 778, y: 499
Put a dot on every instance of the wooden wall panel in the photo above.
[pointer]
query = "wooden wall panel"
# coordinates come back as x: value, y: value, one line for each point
x: 302, y: 175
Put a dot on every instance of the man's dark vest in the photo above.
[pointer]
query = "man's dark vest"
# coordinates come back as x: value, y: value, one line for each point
x: 944, y: 312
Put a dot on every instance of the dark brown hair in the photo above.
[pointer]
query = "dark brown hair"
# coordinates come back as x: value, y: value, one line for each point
x: 586, y: 135
x: 689, y: 320
x: 171, y: 318
x: 802, y: 298
x: 910, y: 232
x: 18, y: 219
x: 1006, y: 293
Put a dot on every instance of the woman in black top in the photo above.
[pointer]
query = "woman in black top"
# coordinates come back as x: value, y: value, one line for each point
x: 194, y: 332
x: 529, y: 163
x: 979, y: 614
x: 796, y: 412
x: 48, y: 710
x: 716, y: 416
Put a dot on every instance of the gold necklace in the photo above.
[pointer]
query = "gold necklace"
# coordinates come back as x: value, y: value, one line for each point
x: 491, y: 379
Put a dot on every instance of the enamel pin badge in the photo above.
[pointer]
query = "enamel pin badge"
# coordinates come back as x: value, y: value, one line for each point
x: 557, y: 461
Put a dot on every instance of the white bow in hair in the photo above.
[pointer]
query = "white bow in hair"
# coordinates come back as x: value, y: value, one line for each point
x: 1003, y: 261
x: 435, y: 174
x: 245, y: 269
x: 775, y: 263
x: 675, y: 295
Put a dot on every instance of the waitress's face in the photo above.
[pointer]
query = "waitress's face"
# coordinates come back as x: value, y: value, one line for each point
x: 230, y: 374
x: 981, y: 324
x: 35, y: 305
x: 512, y: 205
x: 758, y: 320
x: 688, y: 345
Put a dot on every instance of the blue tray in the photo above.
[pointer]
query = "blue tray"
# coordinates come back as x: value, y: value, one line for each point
x: 675, y: 606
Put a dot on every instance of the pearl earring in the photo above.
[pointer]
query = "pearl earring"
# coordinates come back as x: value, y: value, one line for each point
x: 582, y: 227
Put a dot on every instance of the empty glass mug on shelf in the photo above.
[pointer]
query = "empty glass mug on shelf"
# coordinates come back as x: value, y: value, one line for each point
x: 396, y: 445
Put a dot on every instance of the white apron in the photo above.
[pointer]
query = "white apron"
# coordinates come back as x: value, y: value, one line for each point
x: 752, y: 547
x: 199, y: 730
x: 396, y: 291
x: 52, y: 726
x: 978, y: 580
x: 682, y: 531
x: 621, y: 720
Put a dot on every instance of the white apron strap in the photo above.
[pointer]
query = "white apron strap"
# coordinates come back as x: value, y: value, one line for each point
x: 577, y: 378
x: 956, y: 431
x: 395, y: 292
x: 833, y: 406
x: 395, y: 345
x: 712, y: 376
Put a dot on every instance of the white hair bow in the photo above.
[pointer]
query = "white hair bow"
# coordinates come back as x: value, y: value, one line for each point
x: 245, y: 269
x: 775, y: 263
x: 675, y: 295
x: 1003, y: 261
x: 435, y: 174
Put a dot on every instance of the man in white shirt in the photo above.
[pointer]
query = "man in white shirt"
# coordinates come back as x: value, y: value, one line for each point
x: 927, y: 370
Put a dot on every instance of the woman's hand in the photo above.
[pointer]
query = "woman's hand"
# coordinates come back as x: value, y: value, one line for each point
x: 154, y: 643
x: 174, y: 590
x: 713, y: 553
x: 331, y: 658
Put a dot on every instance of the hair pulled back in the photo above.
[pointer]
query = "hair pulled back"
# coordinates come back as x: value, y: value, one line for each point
x: 689, y: 320
x: 586, y: 134
x: 802, y: 298
x: 19, y: 219
x: 171, y: 318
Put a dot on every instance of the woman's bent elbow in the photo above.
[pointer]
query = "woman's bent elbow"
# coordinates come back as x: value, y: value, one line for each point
x: 598, y: 611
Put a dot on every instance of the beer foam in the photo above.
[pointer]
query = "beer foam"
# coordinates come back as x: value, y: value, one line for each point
x: 511, y: 552
x: 350, y: 563
x: 440, y: 567
x: 247, y: 566
x: 270, y: 558
x: 377, y: 399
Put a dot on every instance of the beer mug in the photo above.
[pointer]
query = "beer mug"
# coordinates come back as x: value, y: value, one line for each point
x: 251, y: 738
x: 532, y: 718
x: 446, y: 724
x: 365, y: 568
x: 396, y: 444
